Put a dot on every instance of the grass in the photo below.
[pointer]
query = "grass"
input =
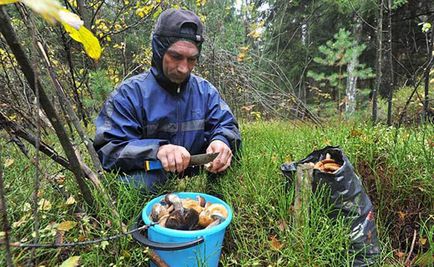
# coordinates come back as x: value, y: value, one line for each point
x: 397, y: 175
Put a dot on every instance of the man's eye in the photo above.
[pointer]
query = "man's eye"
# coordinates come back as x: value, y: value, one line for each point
x: 192, y: 59
x: 177, y: 57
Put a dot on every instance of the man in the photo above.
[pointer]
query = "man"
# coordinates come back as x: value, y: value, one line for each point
x: 167, y: 113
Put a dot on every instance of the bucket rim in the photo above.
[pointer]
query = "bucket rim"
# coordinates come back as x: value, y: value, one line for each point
x: 184, y: 233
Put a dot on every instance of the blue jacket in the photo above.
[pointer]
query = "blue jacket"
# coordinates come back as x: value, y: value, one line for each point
x: 140, y: 116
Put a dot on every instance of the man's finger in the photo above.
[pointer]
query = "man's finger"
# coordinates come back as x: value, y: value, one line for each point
x: 179, y: 162
x: 185, y: 160
x: 165, y: 163
x: 171, y: 162
x: 228, y: 163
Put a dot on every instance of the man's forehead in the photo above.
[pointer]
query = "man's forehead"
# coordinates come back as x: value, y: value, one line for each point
x: 183, y: 46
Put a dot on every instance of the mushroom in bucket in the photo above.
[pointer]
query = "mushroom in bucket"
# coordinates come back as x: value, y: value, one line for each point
x: 187, y: 214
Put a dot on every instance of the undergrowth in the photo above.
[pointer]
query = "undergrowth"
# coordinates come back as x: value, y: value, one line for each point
x: 396, y: 167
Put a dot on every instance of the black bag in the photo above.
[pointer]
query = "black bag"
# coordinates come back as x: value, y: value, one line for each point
x: 348, y: 197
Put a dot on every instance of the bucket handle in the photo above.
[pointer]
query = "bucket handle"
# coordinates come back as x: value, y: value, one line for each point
x: 143, y: 239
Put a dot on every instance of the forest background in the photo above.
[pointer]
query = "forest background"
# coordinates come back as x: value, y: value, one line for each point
x: 354, y: 73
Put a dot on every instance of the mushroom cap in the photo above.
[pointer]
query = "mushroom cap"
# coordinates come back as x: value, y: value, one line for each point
x: 158, y: 211
x: 189, y: 203
x: 217, y: 209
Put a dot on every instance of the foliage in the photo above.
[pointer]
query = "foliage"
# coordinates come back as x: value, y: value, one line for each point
x: 413, y: 112
x: 100, y: 86
x: 336, y: 55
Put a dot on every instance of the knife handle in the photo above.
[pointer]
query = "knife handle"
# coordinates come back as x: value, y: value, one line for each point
x: 151, y: 165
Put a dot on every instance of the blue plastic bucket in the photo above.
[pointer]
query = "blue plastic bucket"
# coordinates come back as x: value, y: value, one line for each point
x: 207, y: 253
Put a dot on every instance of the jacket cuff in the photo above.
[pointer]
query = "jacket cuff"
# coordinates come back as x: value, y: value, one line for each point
x: 223, y: 139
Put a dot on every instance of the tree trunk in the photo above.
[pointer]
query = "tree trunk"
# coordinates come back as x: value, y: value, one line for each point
x: 85, y: 13
x: 426, y: 108
x: 389, y: 68
x: 350, y: 103
x: 9, y: 34
x: 379, y: 62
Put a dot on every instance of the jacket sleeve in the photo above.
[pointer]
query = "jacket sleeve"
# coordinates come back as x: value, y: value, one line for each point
x: 221, y: 123
x: 120, y: 134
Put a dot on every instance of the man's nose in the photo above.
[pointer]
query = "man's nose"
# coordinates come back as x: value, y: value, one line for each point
x: 183, y: 66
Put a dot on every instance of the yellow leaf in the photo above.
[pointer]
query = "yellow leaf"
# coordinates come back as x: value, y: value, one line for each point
x: 90, y: 42
x: 2, y: 235
x: 8, y: 162
x: 5, y: 2
x: 44, y: 204
x: 275, y: 243
x: 66, y: 226
x: 71, y: 262
x: 48, y: 9
x: 422, y: 241
x: 27, y: 207
x: 401, y: 215
x: 21, y: 221
x: 70, y: 18
x: 70, y: 201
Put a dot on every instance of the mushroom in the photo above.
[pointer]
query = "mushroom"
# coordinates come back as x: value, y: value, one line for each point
x: 163, y: 220
x: 212, y: 213
x: 182, y: 221
x: 191, y: 218
x: 175, y: 220
x: 158, y: 211
x: 217, y: 209
x: 201, y: 200
x: 174, y: 200
x: 189, y: 203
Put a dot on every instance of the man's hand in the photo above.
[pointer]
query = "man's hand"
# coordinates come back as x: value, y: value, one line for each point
x: 173, y: 158
x: 223, y: 160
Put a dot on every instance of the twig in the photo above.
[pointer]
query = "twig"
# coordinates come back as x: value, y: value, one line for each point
x: 407, y: 261
x: 76, y: 244
x: 157, y: 259
x: 4, y: 216
x: 111, y: 32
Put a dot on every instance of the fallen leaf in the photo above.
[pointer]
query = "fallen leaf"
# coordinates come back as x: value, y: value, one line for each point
x: 356, y: 133
x: 401, y: 215
x: 275, y: 243
x: 81, y: 238
x: 104, y: 244
x: 8, y: 162
x: 422, y: 241
x: 20, y: 221
x: 71, y: 262
x: 66, y: 226
x: 70, y: 201
x: 27, y: 207
x: 44, y: 204
x: 60, y: 179
x: 400, y: 254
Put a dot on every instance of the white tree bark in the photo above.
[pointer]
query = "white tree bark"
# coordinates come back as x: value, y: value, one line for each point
x: 350, y: 101
x: 350, y: 105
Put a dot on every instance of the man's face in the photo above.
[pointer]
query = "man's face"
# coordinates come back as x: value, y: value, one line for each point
x: 179, y: 60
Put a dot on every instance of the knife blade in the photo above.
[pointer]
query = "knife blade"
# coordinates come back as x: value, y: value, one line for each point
x: 195, y: 160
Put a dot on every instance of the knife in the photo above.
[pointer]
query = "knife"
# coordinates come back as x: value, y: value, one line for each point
x: 195, y: 160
